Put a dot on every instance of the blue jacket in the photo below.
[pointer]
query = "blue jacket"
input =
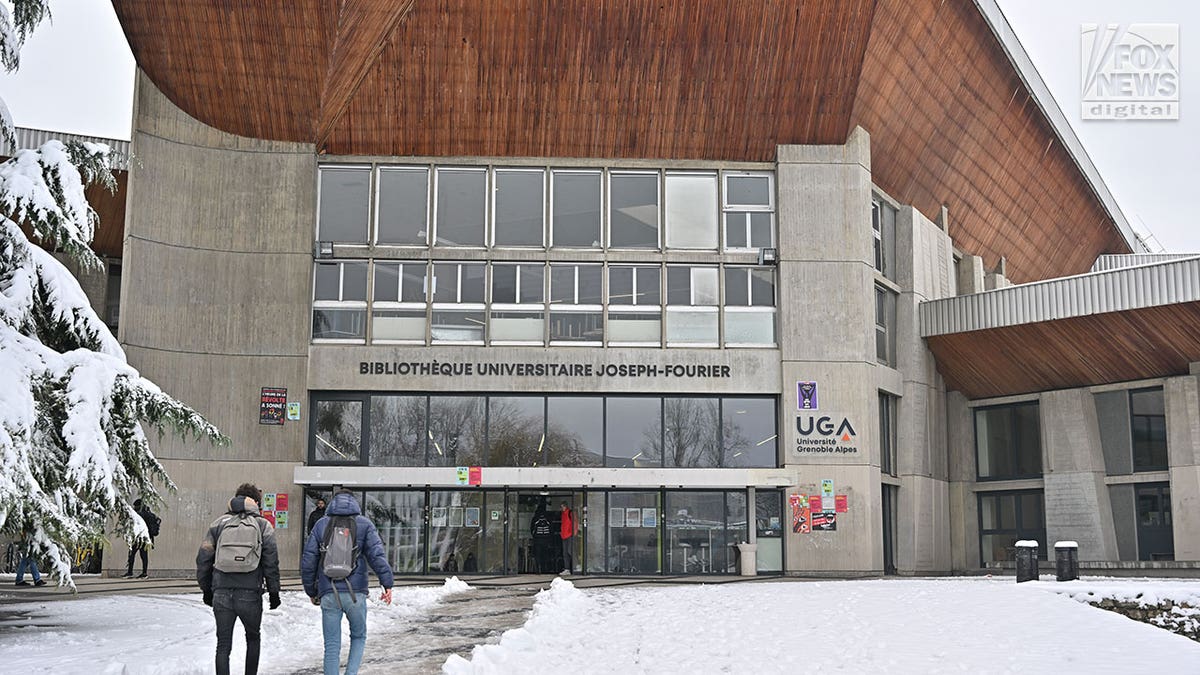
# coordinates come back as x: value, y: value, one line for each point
x: 370, y: 548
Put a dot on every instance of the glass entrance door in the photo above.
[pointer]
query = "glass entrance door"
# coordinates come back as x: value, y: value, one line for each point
x: 534, y: 542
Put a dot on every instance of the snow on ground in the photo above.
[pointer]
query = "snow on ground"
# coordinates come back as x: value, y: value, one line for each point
x: 176, y: 634
x: 894, y: 626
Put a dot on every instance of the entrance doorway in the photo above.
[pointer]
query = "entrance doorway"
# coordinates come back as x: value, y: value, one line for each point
x: 535, y: 544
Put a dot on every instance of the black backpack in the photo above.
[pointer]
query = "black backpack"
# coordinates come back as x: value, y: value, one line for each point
x: 152, y: 522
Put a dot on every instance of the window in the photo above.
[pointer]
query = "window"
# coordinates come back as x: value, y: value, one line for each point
x: 887, y: 434
x: 749, y: 210
x: 885, y: 326
x: 461, y: 207
x: 1149, y: 427
x: 748, y: 435
x: 692, y: 306
x: 456, y: 429
x: 337, y: 432
x: 516, y: 430
x: 340, y: 301
x: 634, y: 305
x: 519, y: 210
x: 112, y: 296
x: 749, y: 306
x: 403, y: 215
x: 691, y: 432
x: 398, y: 430
x: 883, y: 225
x: 1008, y: 441
x: 398, y: 307
x: 518, y: 304
x: 1155, y: 535
x: 691, y: 210
x: 575, y: 209
x: 633, y: 431
x: 574, y: 431
x: 768, y: 521
x: 345, y: 198
x: 1006, y: 518
x: 458, y: 292
x: 576, y: 313
x: 633, y: 210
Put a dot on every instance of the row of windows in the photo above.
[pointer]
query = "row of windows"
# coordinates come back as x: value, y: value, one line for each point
x: 536, y: 207
x: 417, y: 302
x: 523, y: 431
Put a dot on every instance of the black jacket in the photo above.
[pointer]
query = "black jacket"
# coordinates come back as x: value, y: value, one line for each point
x: 267, y: 573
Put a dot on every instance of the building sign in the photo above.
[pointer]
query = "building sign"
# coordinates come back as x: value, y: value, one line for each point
x: 271, y: 405
x: 825, y: 434
x: 1130, y: 71
x: 806, y: 396
x: 564, y: 370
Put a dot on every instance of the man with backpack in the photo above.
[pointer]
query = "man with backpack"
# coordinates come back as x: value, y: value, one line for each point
x: 237, y: 558
x: 152, y: 524
x: 334, y: 571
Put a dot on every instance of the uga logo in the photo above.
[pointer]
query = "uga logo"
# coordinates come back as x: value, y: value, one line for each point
x: 823, y: 426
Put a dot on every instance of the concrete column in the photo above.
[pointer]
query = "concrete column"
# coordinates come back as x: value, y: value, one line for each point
x: 1076, y: 497
x: 970, y: 275
x: 1182, y: 398
x: 964, y: 507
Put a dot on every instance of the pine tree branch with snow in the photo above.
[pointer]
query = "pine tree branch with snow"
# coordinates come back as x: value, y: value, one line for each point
x: 73, y: 453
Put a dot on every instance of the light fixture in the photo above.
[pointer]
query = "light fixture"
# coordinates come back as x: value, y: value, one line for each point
x: 323, y: 249
x: 768, y: 256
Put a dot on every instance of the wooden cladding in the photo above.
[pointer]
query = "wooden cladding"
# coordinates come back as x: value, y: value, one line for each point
x: 1077, y: 352
x: 950, y: 121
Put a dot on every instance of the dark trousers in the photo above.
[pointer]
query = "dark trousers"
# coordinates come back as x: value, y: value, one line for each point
x: 145, y: 558
x: 230, y: 604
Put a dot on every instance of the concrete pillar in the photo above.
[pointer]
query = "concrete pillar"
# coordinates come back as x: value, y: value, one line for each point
x: 1076, y: 496
x: 970, y: 275
x: 964, y: 507
x: 1182, y: 398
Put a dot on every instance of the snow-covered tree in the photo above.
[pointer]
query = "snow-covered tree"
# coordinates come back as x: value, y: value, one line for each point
x: 73, y: 454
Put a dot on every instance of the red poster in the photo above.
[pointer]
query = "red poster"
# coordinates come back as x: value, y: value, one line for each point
x: 281, y: 502
x: 814, y: 504
x: 801, y: 518
x: 839, y: 503
x: 270, y: 516
x: 475, y: 476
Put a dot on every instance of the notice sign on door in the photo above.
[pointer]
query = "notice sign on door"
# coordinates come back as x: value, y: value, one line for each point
x: 272, y: 405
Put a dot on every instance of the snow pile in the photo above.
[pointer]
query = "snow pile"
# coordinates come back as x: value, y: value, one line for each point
x: 1142, y: 591
x: 863, y: 626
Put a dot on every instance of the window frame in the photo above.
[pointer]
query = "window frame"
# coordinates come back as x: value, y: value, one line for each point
x: 692, y: 307
x: 718, y: 219
x: 399, y: 305
x: 367, y: 233
x: 575, y: 307
x: 518, y: 306
x: 888, y: 434
x: 749, y: 308
x: 342, y: 304
x: 979, y: 477
x: 606, y: 209
x: 435, y: 232
x: 888, y: 327
x: 491, y: 225
x: 633, y: 307
x: 601, y: 226
x: 1134, y: 417
x: 883, y: 230
x: 377, y: 200
x: 1018, y: 532
x: 728, y: 209
x: 458, y: 305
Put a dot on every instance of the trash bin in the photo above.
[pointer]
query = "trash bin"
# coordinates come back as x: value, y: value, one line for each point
x: 1066, y: 560
x: 1027, y: 560
x: 749, y: 560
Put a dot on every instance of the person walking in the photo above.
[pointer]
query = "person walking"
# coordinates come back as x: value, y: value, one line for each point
x: 28, y: 563
x: 343, y: 544
x: 543, y: 539
x: 566, y: 530
x: 317, y: 514
x: 236, y: 560
x: 152, y: 524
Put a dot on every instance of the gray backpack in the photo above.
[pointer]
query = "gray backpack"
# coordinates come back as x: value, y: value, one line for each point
x: 239, y: 545
x: 339, y: 548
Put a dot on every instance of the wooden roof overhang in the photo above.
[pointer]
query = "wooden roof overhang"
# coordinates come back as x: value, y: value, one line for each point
x: 951, y: 121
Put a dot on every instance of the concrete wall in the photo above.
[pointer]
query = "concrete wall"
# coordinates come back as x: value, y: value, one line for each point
x: 215, y: 302
x: 1182, y: 398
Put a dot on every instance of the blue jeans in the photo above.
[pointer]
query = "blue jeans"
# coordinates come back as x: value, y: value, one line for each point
x: 27, y: 562
x: 331, y: 625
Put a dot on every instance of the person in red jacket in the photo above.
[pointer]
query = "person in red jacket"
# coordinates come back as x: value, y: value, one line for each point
x: 567, y: 532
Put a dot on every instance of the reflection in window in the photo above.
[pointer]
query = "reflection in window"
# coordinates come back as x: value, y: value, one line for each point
x: 456, y: 430
x: 633, y: 210
x: 574, y: 431
x: 575, y: 210
x: 461, y: 211
x: 887, y: 434
x: 1008, y: 517
x: 1149, y: 426
x: 633, y: 541
x: 516, y: 427
x: 1008, y: 441
x: 398, y: 430
x: 768, y: 518
x: 337, y: 430
x: 403, y: 197
x: 748, y: 435
x: 345, y: 204
x: 633, y: 431
x: 695, y: 532
x: 456, y: 531
x: 519, y: 218
x: 399, y: 518
x: 691, y: 210
x: 691, y: 432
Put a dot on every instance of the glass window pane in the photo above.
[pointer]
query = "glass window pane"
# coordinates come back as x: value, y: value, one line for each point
x: 761, y: 230
x: 403, y: 206
x: 1147, y: 402
x: 633, y: 542
x: 400, y: 519
x: 576, y: 212
x: 691, y: 327
x: 354, y: 281
x: 328, y: 281
x: 516, y: 432
x: 1029, y: 437
x: 753, y: 190
x: 695, y: 523
x: 472, y: 283
x: 750, y: 328
x: 679, y: 286
x: 735, y: 230
x: 704, y: 286
x: 518, y: 326
x: 575, y: 431
x: 398, y: 324
x: 1008, y: 511
x: 620, y: 285
x: 532, y: 284
x: 562, y: 284
x: 504, y: 283
x: 633, y: 211
x: 576, y: 326
x: 725, y: 553
x: 338, y: 431
x: 590, y: 284
x: 648, y: 292
x: 456, y: 531
x: 633, y: 427
x: 1031, y: 512
x: 768, y: 513
x: 345, y: 203
x: 445, y: 282
x: 412, y: 282
x: 737, y: 286
x: 398, y: 430
x: 691, y: 211
x: 748, y: 433
x: 461, y: 211
x: 456, y: 430
x: 762, y: 288
x: 387, y: 282
x: 453, y: 325
x: 691, y: 432
x: 340, y: 324
x: 519, y: 207
x: 639, y: 327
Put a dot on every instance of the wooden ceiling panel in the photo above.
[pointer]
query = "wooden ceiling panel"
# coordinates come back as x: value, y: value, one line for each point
x: 1065, y: 353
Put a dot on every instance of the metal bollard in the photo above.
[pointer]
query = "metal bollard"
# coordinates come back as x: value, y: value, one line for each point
x: 1066, y: 560
x: 1027, y: 560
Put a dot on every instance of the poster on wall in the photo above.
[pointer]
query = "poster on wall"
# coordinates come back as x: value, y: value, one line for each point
x: 840, y: 504
x: 616, y: 517
x: 800, y: 513
x: 293, y: 412
x: 824, y: 522
x: 461, y: 475
x: 471, y: 517
x: 268, y: 501
x: 281, y: 501
x: 827, y: 490
x: 806, y: 396
x: 456, y: 516
x: 437, y: 517
x: 475, y: 475
x: 281, y: 519
x: 633, y: 517
x: 271, y: 404
x: 270, y: 516
x: 650, y: 517
x: 814, y: 503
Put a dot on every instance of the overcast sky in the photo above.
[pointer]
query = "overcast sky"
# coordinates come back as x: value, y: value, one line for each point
x: 77, y: 76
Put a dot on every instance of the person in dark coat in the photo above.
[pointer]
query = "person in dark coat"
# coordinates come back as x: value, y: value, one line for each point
x: 544, y: 539
x: 317, y: 514
x: 350, y: 597
x: 236, y: 596
x: 152, y: 523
